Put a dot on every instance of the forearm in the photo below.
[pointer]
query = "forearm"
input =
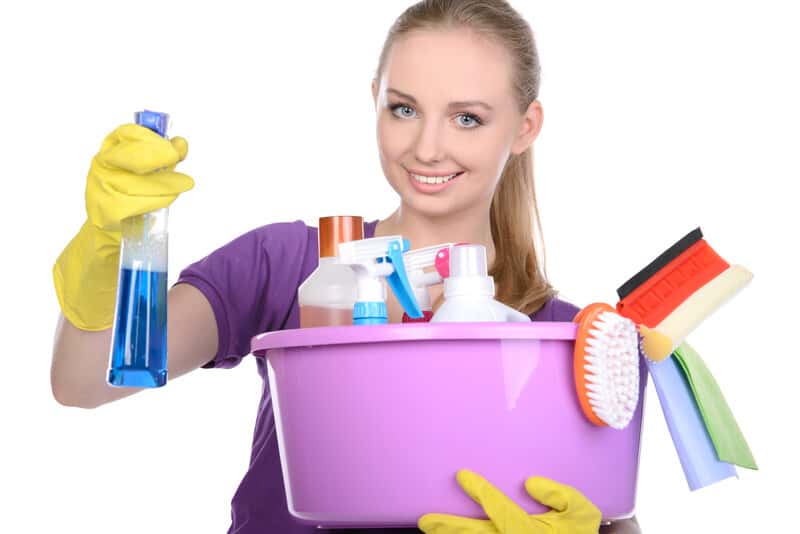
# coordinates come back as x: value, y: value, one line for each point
x: 79, y: 367
x: 80, y: 358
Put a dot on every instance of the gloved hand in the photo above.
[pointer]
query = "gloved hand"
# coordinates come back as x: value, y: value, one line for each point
x: 571, y: 512
x: 133, y: 173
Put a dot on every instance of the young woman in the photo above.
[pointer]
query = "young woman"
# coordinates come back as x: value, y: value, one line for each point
x: 455, y: 95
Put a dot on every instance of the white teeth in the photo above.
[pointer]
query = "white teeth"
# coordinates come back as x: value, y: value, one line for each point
x: 431, y: 179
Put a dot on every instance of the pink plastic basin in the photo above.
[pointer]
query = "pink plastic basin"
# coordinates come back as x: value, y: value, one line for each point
x: 374, y: 421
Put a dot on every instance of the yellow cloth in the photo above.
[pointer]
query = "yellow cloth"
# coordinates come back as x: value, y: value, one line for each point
x: 132, y: 174
x: 656, y: 346
x: 571, y: 511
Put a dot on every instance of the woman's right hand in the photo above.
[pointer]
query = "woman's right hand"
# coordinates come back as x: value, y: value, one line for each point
x: 132, y: 174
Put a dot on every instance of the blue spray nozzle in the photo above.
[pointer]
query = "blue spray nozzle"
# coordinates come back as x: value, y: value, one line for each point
x: 398, y: 280
x: 372, y: 259
x: 153, y: 120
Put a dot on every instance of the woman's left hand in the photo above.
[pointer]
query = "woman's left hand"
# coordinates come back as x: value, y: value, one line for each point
x: 571, y: 511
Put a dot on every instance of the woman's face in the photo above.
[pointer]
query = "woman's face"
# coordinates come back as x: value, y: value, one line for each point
x: 446, y: 114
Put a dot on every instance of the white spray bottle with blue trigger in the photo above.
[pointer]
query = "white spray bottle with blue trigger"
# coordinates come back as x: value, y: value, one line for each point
x: 373, y: 259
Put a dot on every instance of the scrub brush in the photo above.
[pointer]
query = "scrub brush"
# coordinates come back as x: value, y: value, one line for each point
x: 606, y: 363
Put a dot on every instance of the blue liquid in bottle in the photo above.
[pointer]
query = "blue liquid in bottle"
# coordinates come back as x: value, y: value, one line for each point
x: 139, y: 353
x: 139, y: 340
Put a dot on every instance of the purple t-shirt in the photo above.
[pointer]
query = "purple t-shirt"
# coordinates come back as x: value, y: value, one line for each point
x: 251, y: 284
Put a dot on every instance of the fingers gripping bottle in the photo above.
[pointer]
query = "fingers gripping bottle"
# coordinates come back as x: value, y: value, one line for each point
x: 139, y: 339
x: 327, y: 296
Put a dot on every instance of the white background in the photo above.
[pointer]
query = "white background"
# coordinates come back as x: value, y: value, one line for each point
x: 660, y: 117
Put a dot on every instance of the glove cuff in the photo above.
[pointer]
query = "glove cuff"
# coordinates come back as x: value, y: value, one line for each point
x: 85, y: 278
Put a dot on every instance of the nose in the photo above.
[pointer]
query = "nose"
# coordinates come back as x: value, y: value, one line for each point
x: 429, y: 146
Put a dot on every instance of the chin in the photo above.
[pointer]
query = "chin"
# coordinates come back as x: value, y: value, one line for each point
x: 431, y: 207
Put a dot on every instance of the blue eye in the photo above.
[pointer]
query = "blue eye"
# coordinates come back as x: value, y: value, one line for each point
x: 401, y: 108
x: 474, y: 120
x: 467, y: 121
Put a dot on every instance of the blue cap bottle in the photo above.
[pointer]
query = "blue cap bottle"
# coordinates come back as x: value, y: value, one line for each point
x: 139, y: 341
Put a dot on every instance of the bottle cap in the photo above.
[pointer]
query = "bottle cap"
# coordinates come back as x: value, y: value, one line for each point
x: 369, y: 313
x: 338, y: 229
x: 442, y: 262
x: 158, y: 122
x: 468, y: 260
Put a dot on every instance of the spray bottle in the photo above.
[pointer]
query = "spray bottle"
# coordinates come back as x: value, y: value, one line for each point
x: 469, y: 291
x: 328, y: 295
x: 373, y: 259
x: 139, y: 341
x: 416, y: 262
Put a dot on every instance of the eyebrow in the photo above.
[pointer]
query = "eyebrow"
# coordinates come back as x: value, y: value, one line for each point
x: 459, y: 104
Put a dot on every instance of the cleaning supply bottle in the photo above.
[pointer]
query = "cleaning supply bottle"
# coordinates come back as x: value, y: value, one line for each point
x: 372, y: 260
x: 139, y: 339
x: 416, y: 262
x: 328, y: 295
x: 469, y: 291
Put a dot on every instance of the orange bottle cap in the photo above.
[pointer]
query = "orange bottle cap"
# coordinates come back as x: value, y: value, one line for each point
x: 338, y: 229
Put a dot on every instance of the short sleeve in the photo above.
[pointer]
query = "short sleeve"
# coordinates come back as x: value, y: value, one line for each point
x: 251, y: 284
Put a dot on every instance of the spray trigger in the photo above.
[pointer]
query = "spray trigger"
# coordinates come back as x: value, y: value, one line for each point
x: 442, y: 263
x: 398, y: 280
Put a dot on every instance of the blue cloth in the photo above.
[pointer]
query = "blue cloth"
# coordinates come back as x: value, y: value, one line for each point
x: 692, y: 441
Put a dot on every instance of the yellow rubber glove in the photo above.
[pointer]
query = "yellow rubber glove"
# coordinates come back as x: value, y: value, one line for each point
x: 132, y: 174
x: 571, y: 512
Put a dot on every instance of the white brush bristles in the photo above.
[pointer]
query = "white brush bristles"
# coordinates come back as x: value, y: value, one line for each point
x: 612, y: 369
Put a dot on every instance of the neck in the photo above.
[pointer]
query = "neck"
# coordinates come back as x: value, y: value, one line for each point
x: 424, y: 231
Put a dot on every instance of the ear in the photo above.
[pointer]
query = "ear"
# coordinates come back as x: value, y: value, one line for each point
x: 529, y: 128
x: 375, y: 92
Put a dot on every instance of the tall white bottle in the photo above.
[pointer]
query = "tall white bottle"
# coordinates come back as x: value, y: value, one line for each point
x: 469, y: 291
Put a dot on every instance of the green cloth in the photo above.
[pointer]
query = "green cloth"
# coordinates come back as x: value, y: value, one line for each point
x: 728, y: 440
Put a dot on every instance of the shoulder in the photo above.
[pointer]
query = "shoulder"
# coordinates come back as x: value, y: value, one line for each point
x: 556, y: 309
x: 281, y: 246
x: 279, y: 233
x: 292, y: 247
x: 280, y: 240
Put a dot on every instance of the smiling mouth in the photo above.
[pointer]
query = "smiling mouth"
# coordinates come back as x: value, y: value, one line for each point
x: 433, y: 180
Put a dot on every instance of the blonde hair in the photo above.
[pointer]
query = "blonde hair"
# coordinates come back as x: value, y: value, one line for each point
x: 519, y: 276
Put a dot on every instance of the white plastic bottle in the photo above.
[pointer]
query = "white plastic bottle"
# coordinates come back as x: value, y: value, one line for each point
x: 469, y: 291
x: 327, y: 296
